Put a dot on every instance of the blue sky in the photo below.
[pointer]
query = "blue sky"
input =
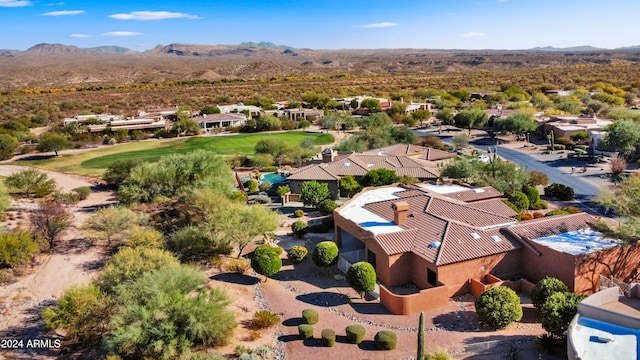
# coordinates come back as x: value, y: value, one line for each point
x: 323, y: 24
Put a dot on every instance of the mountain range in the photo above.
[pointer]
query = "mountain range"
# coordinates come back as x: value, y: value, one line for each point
x: 58, y: 65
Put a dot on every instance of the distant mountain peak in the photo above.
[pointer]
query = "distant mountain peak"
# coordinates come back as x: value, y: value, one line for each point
x: 54, y: 49
x: 572, y: 48
x: 265, y: 44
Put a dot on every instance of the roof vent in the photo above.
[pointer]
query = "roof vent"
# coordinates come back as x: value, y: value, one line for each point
x: 369, y: 165
x: 474, y: 235
x: 496, y: 238
x: 478, y: 190
x: 434, y: 245
x: 346, y: 164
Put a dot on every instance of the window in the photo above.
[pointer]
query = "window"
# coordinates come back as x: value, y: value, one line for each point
x: 371, y: 256
x: 432, y: 277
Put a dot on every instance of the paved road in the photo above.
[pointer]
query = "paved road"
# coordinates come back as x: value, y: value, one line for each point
x: 584, y: 190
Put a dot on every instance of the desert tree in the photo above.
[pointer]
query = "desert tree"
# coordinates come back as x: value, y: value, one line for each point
x: 55, y: 142
x: 31, y: 182
x: 112, y: 223
x: 313, y: 193
x: 8, y: 146
x: 470, y: 118
x: 50, y: 220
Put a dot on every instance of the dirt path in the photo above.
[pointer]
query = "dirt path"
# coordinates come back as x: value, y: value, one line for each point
x: 72, y: 262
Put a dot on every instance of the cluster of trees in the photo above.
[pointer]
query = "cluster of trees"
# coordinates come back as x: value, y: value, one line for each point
x: 505, y: 176
x: 141, y: 290
x: 272, y: 151
x: 377, y: 130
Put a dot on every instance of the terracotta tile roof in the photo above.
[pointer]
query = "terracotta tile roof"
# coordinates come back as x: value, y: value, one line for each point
x: 487, y: 192
x: 463, y: 213
x: 435, y: 155
x: 551, y: 225
x: 359, y: 164
x: 465, y: 243
x: 313, y: 173
x: 495, y: 206
x: 443, y: 230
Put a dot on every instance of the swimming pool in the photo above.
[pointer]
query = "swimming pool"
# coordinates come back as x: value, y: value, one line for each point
x: 273, y: 178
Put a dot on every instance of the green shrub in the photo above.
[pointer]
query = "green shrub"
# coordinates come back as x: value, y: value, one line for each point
x: 298, y: 213
x: 572, y: 210
x: 545, y: 288
x: 328, y: 337
x: 557, y: 147
x: 299, y: 228
x: 310, y: 316
x: 268, y: 169
x: 557, y: 212
x: 266, y: 261
x: 83, y: 192
x: 385, y: 340
x: 252, y: 186
x: 361, y: 276
x: 548, y: 343
x: 263, y: 319
x: 539, y: 205
x: 325, y: 254
x: 318, y: 229
x: 355, y: 333
x: 31, y: 182
x: 559, y: 191
x: 520, y: 200
x: 250, y: 356
x: 511, y: 205
x: 264, y: 186
x: 65, y: 198
x: 297, y: 254
x: 278, y: 250
x: 499, y: 307
x: 558, y: 311
x: 327, y: 206
x: 305, y: 331
x: 438, y: 355
x: 533, y: 195
x: 239, y: 266
x: 16, y: 248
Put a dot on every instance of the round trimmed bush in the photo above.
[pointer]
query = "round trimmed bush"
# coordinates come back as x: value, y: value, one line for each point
x: 327, y: 206
x: 520, y: 200
x: 557, y: 212
x: 299, y: 228
x: 355, y: 333
x: 558, y: 311
x: 328, y: 337
x: 545, y: 288
x: 533, y: 194
x: 310, y: 316
x: 297, y: 254
x: 298, y: 213
x: 559, y: 191
x: 386, y: 340
x: 499, y: 307
x: 325, y: 254
x: 83, y: 192
x: 266, y: 260
x: 361, y: 276
x: 305, y: 331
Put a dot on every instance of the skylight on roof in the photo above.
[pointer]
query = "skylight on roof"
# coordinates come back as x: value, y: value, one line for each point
x: 474, y: 235
x: 346, y: 164
x: 496, y: 238
x: 434, y: 245
x: 478, y: 190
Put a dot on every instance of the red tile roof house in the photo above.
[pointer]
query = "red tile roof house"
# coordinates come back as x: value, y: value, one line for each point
x: 334, y: 166
x: 446, y: 240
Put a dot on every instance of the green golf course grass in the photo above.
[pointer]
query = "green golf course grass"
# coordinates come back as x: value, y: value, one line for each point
x: 93, y: 163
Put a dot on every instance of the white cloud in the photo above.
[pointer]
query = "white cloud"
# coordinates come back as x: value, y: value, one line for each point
x: 152, y: 15
x: 80, y: 36
x: 63, y: 12
x: 14, y: 3
x: 121, y: 33
x: 377, y: 25
x: 473, y: 34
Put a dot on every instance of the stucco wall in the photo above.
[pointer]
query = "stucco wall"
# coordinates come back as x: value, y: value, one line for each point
x: 549, y: 263
x: 622, y: 262
x: 501, y: 265
x: 425, y: 300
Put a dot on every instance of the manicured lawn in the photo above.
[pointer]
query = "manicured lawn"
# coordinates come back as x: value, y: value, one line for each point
x: 93, y: 163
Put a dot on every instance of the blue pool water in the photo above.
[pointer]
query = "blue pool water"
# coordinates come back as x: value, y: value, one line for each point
x: 273, y: 178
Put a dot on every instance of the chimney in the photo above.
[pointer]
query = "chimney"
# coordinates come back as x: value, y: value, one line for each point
x: 328, y: 155
x: 400, y: 212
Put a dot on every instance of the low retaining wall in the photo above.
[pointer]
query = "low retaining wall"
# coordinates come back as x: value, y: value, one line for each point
x: 425, y: 300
